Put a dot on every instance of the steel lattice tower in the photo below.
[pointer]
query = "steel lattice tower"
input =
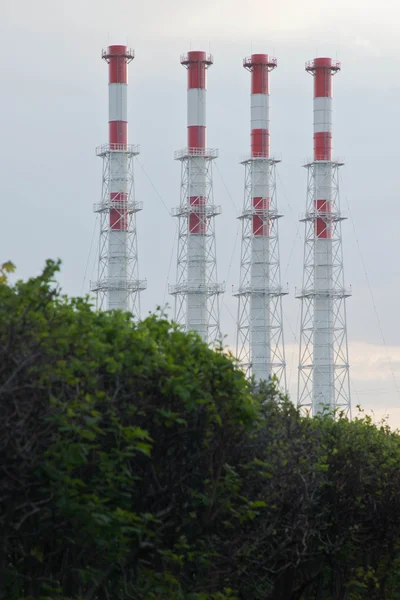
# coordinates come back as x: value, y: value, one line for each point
x: 197, y: 289
x: 323, y: 361
x: 260, y: 343
x: 118, y: 285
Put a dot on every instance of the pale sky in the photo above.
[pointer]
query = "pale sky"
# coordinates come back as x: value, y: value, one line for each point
x: 54, y: 113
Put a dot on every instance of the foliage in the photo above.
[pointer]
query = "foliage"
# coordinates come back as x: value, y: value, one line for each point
x: 5, y: 269
x: 138, y: 463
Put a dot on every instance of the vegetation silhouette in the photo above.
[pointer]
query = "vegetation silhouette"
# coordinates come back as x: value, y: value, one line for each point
x: 136, y: 462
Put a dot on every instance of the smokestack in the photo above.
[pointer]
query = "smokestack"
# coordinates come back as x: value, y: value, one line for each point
x: 260, y: 343
x: 118, y: 285
x: 196, y: 291
x: 323, y: 363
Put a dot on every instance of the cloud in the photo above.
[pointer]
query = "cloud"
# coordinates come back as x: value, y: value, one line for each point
x: 374, y: 363
x: 363, y: 43
x: 288, y: 20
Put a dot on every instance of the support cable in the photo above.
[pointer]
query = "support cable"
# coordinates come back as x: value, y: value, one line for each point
x: 154, y: 187
x: 297, y: 235
x: 229, y: 272
x: 90, y: 253
x: 372, y: 295
x: 226, y: 189
x: 170, y: 266
x: 175, y: 224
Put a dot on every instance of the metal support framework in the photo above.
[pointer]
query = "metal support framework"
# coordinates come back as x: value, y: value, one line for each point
x: 118, y: 285
x: 197, y: 289
x: 260, y: 342
x: 323, y: 379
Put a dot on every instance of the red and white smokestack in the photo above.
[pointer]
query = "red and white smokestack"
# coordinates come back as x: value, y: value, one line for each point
x: 118, y: 285
x: 118, y: 58
x: 323, y: 70
x: 196, y: 290
x: 260, y: 66
x: 197, y: 63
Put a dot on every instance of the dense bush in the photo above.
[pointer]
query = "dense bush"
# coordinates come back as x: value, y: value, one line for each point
x: 138, y: 463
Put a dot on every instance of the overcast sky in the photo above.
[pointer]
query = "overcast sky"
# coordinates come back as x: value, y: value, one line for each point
x: 54, y: 112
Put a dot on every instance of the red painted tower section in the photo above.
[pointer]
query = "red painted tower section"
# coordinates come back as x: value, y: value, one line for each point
x: 197, y: 63
x: 323, y: 69
x: 118, y: 58
x: 260, y: 66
